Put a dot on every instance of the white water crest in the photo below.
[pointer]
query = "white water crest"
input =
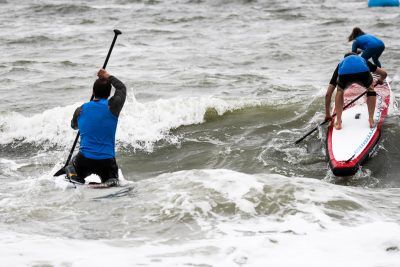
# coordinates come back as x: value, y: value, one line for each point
x: 140, y: 124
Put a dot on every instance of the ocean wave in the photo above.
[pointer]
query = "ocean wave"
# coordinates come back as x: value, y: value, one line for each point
x: 213, y: 193
x: 140, y: 126
x: 250, y: 218
x: 333, y: 21
x: 22, y: 70
x: 221, y: 194
x: 165, y: 20
x: 63, y: 9
x: 87, y: 21
x: 383, y: 24
x: 147, y: 2
x: 8, y: 167
x: 38, y: 39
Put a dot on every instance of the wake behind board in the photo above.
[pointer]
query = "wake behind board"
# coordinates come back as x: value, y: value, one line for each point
x: 348, y: 148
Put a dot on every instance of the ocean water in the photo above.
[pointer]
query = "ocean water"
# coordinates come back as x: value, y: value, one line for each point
x: 218, y: 91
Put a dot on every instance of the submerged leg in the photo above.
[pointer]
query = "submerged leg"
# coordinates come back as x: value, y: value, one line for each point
x: 72, y: 175
x: 108, y: 171
x: 76, y: 171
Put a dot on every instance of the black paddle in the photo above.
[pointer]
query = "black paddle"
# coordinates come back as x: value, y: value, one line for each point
x: 62, y: 170
x: 325, y: 121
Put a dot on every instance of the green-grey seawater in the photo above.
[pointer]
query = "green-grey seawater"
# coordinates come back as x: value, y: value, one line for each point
x: 218, y: 91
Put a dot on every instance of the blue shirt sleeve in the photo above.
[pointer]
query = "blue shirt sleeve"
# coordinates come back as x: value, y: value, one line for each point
x: 354, y: 47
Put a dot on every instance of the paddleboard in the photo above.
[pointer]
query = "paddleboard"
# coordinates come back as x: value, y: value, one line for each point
x: 348, y: 148
x: 95, y: 188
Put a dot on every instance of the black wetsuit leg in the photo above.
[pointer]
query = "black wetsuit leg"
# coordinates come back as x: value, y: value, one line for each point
x: 104, y: 168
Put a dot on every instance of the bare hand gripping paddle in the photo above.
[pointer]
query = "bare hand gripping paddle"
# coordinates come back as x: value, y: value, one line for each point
x: 62, y: 170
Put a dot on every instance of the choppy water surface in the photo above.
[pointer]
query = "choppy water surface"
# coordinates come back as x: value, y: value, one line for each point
x: 218, y: 91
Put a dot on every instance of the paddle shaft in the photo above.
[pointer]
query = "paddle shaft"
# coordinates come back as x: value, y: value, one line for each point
x: 325, y: 121
x: 116, y: 33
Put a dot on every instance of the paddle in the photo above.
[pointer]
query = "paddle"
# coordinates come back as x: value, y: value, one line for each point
x: 325, y: 121
x: 62, y: 170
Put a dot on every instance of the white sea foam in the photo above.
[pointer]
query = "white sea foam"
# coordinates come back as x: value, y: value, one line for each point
x: 141, y: 124
x: 306, y: 232
x: 245, y: 191
x: 48, y: 128
x: 362, y: 246
x: 9, y: 166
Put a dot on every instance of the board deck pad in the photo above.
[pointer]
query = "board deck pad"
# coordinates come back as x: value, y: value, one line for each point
x: 348, y: 148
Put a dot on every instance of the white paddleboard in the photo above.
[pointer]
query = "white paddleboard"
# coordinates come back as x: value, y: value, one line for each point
x: 95, y: 188
x: 348, y: 148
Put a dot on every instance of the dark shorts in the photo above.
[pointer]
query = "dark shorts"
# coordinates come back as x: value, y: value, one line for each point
x: 105, y: 168
x: 363, y: 78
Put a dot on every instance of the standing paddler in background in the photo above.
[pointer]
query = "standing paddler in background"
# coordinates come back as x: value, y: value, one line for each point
x: 352, y: 69
x: 97, y: 122
x: 371, y: 46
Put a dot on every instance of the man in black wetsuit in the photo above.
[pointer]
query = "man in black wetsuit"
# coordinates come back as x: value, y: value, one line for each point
x: 97, y: 123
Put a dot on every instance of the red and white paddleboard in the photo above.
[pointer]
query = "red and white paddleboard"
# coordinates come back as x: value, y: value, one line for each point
x: 348, y: 148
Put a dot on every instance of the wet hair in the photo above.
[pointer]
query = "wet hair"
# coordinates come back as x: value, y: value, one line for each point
x: 350, y: 54
x: 101, y: 88
x: 355, y: 33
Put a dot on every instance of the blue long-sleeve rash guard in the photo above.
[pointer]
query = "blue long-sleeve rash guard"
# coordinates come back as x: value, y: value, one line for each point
x: 366, y: 41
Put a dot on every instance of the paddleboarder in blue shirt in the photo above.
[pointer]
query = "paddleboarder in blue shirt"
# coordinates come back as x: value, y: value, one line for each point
x: 97, y: 123
x: 352, y: 69
x: 371, y: 46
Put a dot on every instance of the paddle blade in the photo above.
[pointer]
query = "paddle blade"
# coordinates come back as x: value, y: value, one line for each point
x: 60, y: 172
x: 307, y: 134
x: 311, y: 131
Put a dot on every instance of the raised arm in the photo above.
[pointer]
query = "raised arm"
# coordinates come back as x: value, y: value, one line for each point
x: 117, y: 101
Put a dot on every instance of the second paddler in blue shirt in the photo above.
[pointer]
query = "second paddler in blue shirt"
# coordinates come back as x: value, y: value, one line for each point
x: 371, y: 46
